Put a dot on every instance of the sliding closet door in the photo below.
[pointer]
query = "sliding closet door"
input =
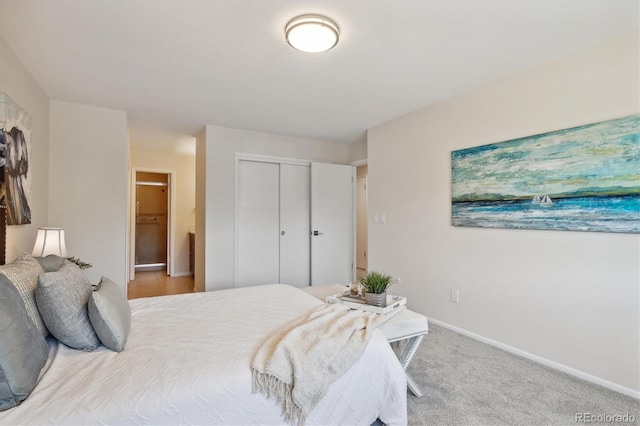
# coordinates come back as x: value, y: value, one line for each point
x: 258, y: 217
x: 295, y: 204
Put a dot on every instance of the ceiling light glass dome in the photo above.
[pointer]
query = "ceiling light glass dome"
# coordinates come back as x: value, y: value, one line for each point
x: 312, y: 33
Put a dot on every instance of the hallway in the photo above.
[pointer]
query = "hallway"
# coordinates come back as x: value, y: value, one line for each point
x: 158, y: 283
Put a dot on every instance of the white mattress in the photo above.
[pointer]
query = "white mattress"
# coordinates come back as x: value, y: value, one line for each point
x: 187, y: 361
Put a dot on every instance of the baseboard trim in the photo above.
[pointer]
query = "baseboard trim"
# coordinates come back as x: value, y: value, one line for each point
x: 565, y: 369
x: 181, y: 274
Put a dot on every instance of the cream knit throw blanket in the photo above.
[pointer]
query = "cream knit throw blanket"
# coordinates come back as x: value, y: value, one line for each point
x: 297, y: 364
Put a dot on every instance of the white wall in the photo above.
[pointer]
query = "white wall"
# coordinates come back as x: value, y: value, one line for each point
x: 201, y: 202
x: 184, y: 165
x: 221, y: 145
x: 569, y: 297
x: 18, y: 84
x: 358, y: 150
x: 88, y: 185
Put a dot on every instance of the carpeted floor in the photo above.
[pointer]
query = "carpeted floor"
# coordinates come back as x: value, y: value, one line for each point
x: 466, y: 382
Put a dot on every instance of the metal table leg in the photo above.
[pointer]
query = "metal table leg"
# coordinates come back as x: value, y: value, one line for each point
x: 405, y: 359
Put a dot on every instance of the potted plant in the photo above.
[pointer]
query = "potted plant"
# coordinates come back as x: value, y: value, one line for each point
x: 80, y: 263
x: 375, y: 285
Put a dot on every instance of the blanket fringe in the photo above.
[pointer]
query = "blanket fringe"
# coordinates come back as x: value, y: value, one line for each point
x: 273, y: 387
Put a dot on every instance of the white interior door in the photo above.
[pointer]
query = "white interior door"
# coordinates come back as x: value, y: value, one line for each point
x: 258, y: 223
x: 295, y: 211
x: 361, y: 223
x: 332, y: 223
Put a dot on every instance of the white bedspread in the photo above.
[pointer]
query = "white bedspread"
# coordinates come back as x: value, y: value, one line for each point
x: 187, y: 361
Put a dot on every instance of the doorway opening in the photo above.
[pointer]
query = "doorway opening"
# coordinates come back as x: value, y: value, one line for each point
x: 362, y: 236
x: 152, y: 220
x: 152, y: 214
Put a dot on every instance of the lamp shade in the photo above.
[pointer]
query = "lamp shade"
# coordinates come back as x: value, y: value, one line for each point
x: 312, y: 33
x: 50, y: 241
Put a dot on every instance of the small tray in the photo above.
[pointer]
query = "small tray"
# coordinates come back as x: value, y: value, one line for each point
x: 393, y: 303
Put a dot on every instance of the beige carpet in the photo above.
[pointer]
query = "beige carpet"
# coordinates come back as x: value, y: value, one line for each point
x: 467, y: 382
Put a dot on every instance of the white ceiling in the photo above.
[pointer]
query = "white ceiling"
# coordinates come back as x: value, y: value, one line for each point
x: 175, y: 66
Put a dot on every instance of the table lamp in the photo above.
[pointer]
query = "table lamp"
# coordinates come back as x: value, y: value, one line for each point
x: 50, y: 241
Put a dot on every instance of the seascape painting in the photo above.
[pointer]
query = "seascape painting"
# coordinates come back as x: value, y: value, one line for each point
x: 585, y: 178
x: 15, y: 147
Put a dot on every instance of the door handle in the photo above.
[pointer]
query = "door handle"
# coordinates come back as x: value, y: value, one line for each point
x: 317, y: 233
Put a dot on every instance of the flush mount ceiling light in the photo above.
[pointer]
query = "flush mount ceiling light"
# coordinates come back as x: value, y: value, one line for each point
x: 312, y: 33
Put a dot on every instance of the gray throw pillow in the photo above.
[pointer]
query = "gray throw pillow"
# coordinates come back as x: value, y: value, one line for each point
x: 50, y: 263
x: 23, y: 350
x: 110, y: 314
x: 62, y: 298
x: 23, y: 273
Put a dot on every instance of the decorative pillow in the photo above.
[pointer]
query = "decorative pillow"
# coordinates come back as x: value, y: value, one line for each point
x: 23, y: 274
x: 50, y: 263
x: 110, y: 314
x: 62, y: 298
x: 23, y: 351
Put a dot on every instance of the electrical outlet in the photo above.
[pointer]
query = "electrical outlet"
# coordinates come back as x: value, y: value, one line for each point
x: 455, y: 295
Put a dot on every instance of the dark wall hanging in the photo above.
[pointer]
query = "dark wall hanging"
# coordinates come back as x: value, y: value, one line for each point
x: 15, y: 148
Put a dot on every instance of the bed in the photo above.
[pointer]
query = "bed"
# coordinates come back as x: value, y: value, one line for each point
x: 187, y: 361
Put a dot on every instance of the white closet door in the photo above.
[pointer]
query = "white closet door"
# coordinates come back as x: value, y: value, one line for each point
x: 332, y: 219
x: 295, y: 206
x: 258, y: 223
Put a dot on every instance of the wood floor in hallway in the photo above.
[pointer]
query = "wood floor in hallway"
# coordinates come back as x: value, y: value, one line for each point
x: 158, y: 283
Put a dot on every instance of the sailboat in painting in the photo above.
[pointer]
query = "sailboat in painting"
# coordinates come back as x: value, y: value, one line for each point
x: 546, y: 201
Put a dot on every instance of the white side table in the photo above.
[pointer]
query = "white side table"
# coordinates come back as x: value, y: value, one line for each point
x: 405, y: 324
